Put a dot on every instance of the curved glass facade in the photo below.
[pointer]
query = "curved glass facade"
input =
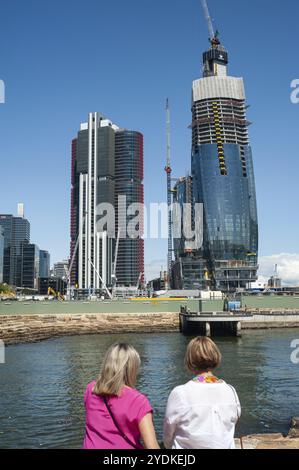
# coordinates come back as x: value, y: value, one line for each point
x: 223, y: 178
x: 129, y: 184
x: 230, y: 215
x: 229, y: 203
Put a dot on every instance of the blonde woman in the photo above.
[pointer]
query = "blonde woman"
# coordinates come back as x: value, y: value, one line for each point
x: 117, y: 415
x: 202, y: 414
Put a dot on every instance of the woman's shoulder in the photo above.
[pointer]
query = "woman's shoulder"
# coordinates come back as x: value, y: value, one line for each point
x: 137, y: 402
x: 179, y: 390
x: 134, y: 394
x: 193, y: 385
x: 88, y: 391
x: 91, y: 384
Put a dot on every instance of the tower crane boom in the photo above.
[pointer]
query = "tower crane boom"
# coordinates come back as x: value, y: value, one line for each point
x: 208, y: 18
x: 168, y: 173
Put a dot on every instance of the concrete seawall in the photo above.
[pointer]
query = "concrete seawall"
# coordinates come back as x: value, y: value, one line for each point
x: 30, y: 328
x: 16, y: 329
x: 271, y: 319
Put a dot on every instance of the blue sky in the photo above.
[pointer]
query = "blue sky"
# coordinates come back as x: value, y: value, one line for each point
x: 62, y: 59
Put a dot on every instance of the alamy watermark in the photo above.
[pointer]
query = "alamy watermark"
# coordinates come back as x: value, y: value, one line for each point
x: 295, y: 92
x: 2, y: 352
x: 2, y: 92
x: 139, y: 221
x: 295, y: 353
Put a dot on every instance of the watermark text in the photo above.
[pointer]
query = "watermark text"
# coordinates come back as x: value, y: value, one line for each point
x: 295, y: 353
x: 2, y: 92
x: 295, y: 92
x: 2, y: 352
x: 137, y: 221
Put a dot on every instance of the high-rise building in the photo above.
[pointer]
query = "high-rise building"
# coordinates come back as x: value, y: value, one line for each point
x: 223, y: 176
x: 129, y: 184
x: 51, y: 285
x: 106, y: 163
x: 189, y: 271
x: 16, y: 232
x: 60, y: 269
x: 1, y: 253
x: 30, y: 259
x: 275, y: 282
x: 93, y: 183
x: 44, y: 264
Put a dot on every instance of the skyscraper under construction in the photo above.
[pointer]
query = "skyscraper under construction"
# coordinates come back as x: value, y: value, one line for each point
x: 222, y: 179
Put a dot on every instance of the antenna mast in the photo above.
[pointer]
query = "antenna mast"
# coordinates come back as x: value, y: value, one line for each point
x: 168, y: 173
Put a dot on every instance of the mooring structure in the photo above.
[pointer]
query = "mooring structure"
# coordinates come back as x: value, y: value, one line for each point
x: 212, y: 323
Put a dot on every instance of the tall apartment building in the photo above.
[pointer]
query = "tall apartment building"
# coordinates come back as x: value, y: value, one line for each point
x: 129, y: 183
x: 60, y: 269
x: 16, y: 232
x: 107, y: 162
x: 30, y: 265
x: 223, y: 178
x: 44, y: 264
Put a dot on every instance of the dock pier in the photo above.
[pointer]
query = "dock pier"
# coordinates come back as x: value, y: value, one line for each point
x: 212, y: 323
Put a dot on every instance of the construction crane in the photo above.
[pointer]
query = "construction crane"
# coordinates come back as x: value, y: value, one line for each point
x: 168, y: 173
x: 101, y: 279
x: 214, y: 36
x: 69, y: 270
x: 138, y: 282
x: 114, y: 264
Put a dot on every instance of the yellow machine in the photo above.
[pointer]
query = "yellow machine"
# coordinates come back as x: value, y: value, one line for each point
x: 157, y: 299
x: 55, y: 294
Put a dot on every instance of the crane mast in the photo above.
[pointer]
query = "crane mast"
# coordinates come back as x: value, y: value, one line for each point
x: 208, y: 18
x: 214, y: 40
x: 168, y: 171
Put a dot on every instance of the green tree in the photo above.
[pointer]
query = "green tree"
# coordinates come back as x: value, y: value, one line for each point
x: 5, y: 289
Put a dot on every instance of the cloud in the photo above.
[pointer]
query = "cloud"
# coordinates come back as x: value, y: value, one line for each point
x: 287, y: 266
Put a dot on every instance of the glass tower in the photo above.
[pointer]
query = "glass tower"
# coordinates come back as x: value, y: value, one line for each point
x: 223, y: 176
x: 107, y: 163
x: 92, y: 184
x: 30, y: 259
x: 16, y: 231
x: 44, y: 263
x: 189, y: 271
x: 129, y: 184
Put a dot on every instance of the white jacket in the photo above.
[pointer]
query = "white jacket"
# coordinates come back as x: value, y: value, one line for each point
x: 201, y: 416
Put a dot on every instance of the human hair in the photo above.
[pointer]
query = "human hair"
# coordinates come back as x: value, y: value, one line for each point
x: 119, y: 368
x: 202, y: 355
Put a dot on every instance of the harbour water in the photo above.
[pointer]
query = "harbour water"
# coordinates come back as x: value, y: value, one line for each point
x: 42, y: 384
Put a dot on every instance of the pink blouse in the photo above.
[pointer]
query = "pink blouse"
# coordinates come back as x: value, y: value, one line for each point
x: 128, y: 409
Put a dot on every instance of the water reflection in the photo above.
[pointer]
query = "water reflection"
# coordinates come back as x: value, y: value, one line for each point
x: 42, y: 385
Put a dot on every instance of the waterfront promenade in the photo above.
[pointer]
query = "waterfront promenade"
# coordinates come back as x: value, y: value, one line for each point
x: 154, y: 305
x: 30, y: 321
x: 27, y: 328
